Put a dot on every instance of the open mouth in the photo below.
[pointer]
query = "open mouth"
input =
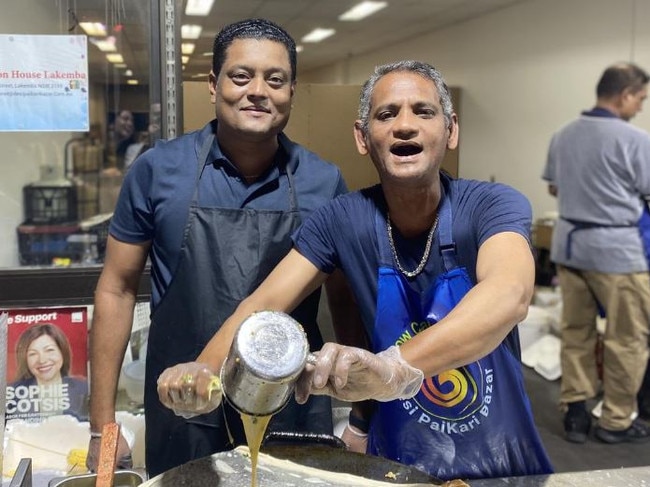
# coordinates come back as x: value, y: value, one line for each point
x: 403, y: 150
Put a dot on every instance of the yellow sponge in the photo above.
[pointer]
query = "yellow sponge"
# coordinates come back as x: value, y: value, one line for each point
x: 77, y: 459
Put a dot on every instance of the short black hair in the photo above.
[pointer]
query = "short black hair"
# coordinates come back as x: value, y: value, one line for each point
x: 252, y: 29
x: 619, y: 77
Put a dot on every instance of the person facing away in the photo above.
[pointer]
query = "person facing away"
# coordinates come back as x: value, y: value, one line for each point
x: 598, y: 166
x: 442, y: 270
x: 43, y: 385
x: 213, y: 210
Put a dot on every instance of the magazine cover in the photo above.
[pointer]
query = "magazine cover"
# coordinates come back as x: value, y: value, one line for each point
x: 46, y: 363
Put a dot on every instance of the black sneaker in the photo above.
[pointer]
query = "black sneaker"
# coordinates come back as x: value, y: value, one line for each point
x: 638, y: 432
x: 577, y: 423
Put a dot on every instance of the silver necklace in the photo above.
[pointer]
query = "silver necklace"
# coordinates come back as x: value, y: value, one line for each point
x: 427, y: 249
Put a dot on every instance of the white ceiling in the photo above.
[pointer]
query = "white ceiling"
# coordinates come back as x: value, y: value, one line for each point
x: 401, y: 20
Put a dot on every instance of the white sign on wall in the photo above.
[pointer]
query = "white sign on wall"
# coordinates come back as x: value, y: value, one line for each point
x: 43, y: 83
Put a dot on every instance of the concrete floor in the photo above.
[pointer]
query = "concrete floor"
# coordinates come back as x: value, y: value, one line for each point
x: 572, y: 457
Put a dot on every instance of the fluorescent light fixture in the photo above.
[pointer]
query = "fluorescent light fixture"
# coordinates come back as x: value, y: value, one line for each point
x: 362, y: 10
x: 114, y: 58
x: 184, y: 59
x: 132, y: 82
x: 187, y: 48
x: 119, y: 65
x: 128, y: 72
x: 191, y: 31
x: 104, y: 45
x: 299, y: 48
x: 206, y: 54
x: 93, y: 28
x: 200, y: 75
x: 198, y: 7
x: 318, y: 35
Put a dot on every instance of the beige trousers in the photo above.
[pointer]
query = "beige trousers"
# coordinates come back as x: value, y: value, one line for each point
x: 626, y: 301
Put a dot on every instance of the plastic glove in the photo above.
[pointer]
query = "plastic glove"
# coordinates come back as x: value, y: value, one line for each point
x: 189, y: 389
x: 353, y: 374
x: 124, y: 459
x: 354, y: 439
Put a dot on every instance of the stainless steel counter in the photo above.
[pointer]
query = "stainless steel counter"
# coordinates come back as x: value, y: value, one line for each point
x: 621, y: 477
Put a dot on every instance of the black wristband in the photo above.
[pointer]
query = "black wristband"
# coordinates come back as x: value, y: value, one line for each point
x: 361, y: 424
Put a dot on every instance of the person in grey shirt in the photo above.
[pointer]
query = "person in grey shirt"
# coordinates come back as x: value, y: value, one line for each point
x: 598, y: 166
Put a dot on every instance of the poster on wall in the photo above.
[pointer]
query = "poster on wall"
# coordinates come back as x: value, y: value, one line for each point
x: 43, y: 83
x: 47, y: 363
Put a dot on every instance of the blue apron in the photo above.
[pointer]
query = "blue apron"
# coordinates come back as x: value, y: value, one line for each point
x: 644, y: 230
x: 471, y: 422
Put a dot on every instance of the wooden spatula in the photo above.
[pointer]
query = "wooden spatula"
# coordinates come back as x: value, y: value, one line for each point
x: 108, y: 455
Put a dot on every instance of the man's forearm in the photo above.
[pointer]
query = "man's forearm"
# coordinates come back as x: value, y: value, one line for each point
x: 216, y: 351
x: 109, y: 336
x: 485, y: 315
x: 288, y: 284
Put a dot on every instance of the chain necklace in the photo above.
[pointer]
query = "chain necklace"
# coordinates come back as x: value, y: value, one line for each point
x: 427, y: 249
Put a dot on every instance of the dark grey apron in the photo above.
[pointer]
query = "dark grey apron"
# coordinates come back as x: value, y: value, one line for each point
x: 226, y: 253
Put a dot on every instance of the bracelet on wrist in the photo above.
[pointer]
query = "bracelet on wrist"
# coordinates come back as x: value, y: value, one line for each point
x: 352, y: 429
x: 94, y: 434
x: 361, y: 424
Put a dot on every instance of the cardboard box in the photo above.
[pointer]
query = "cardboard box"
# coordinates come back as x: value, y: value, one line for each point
x: 542, y: 235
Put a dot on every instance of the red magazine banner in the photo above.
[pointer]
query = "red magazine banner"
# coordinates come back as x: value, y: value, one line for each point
x: 46, y: 363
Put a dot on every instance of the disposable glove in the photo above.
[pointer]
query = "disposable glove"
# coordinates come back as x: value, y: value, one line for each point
x: 189, y: 389
x: 124, y: 459
x: 353, y: 374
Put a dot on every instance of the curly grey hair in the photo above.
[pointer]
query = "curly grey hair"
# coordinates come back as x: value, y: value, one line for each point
x: 423, y: 69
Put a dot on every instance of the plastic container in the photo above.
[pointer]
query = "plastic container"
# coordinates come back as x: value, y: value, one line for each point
x: 41, y: 244
x: 49, y: 204
x: 133, y: 380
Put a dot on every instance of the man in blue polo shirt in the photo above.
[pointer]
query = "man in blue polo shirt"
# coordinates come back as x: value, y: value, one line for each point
x: 442, y: 271
x: 214, y: 211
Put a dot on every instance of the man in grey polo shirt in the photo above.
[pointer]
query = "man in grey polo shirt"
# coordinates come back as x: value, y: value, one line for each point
x: 599, y: 168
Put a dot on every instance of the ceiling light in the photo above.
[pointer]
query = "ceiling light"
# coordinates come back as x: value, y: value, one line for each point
x: 189, y: 31
x: 128, y: 72
x: 114, y: 58
x: 184, y: 59
x: 198, y: 7
x: 299, y: 48
x: 206, y: 54
x: 318, y: 35
x: 93, y: 28
x: 132, y: 82
x: 187, y: 48
x: 119, y: 65
x: 362, y: 10
x: 104, y: 45
x: 200, y: 75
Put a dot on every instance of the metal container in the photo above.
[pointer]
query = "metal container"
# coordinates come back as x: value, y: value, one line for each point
x: 266, y: 357
x: 122, y: 478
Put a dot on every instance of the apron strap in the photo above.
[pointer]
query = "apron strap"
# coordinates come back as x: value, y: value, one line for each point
x: 445, y: 234
x: 293, y: 197
x: 201, y: 161
x: 584, y: 225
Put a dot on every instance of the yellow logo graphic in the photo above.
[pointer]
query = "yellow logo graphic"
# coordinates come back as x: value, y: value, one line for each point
x: 454, y: 389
